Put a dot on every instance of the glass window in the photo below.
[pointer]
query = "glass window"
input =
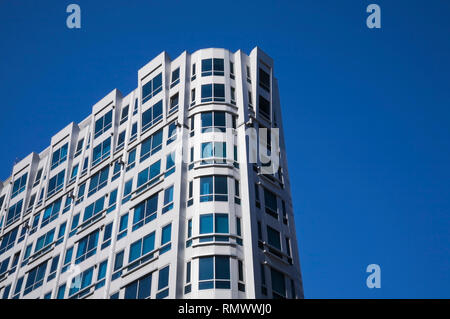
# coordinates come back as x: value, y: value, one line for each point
x: 213, y: 122
x: 213, y: 188
x: 278, y: 284
x: 55, y: 183
x: 175, y: 77
x: 101, y: 151
x: 163, y: 283
x: 264, y: 107
x: 173, y: 106
x: 216, y: 150
x: 214, y: 272
x: 151, y: 88
x: 59, y: 156
x: 212, y: 67
x: 98, y: 181
x: 273, y: 238
x: 103, y: 124
x: 145, y: 212
x: 151, y: 116
x: 139, y: 289
x: 35, y: 278
x: 264, y: 80
x: 124, y: 114
x: 14, y: 212
x: 87, y: 247
x: 213, y: 92
x: 148, y: 175
x: 151, y: 145
x: 19, y: 185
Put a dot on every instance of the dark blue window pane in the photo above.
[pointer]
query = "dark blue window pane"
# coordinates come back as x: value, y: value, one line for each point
x: 206, y: 268
x: 221, y: 223
x: 163, y: 280
x: 206, y: 224
x: 222, y: 267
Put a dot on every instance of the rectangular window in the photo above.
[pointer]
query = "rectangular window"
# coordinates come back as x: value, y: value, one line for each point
x: 103, y: 124
x: 121, y: 140
x: 264, y: 80
x: 212, y: 67
x: 270, y: 202
x: 118, y: 264
x: 73, y: 175
x: 123, y: 226
x: 194, y: 75
x: 107, y: 236
x: 86, y: 280
x: 187, y: 288
x: 233, y: 95
x: 213, y: 92
x: 232, y: 70
x: 193, y: 97
x: 213, y: 122
x: 250, y: 99
x: 151, y: 88
x: 214, y: 272
x: 273, y: 238
x: 172, y: 132
x: 127, y: 191
x: 170, y: 164
x: 131, y: 161
x: 35, y: 278
x: 85, y: 166
x: 168, y: 199
x: 53, y: 268
x: 14, y: 212
x: 163, y: 283
x: 151, y: 145
x: 133, y: 132
x: 116, y: 171
x: 38, y: 178
x: 45, y: 240
x: 173, y: 105
x: 189, y: 233
x: 175, y: 79
x: 214, y: 223
x: 79, y: 148
x: 19, y: 185
x: 101, y: 151
x: 145, y: 212
x: 59, y: 156
x: 166, y: 235
x: 214, y: 153
x: 18, y: 288
x: 241, y: 285
x: 124, y: 114
x: 87, y: 247
x: 139, y: 289
x: 74, y: 225
x: 151, y: 116
x: 55, y: 183
x: 93, y: 210
x: 141, y: 248
x: 51, y: 212
x: 213, y: 188
x: 263, y: 280
x: 101, y: 274
x: 264, y: 107
x: 278, y: 284
x: 148, y: 176
x: 249, y: 79
x: 238, y: 231
x: 67, y: 259
x: 136, y: 105
x: 80, y: 195
x: 98, y: 181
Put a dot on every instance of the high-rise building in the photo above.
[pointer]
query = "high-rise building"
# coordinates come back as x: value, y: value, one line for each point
x: 162, y: 193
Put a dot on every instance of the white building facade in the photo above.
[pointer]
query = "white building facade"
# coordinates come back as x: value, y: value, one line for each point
x: 159, y: 194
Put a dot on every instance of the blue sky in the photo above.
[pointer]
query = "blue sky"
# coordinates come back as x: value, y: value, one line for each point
x: 366, y: 114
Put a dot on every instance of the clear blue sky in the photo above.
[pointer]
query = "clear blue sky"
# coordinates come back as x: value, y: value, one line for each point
x: 366, y: 114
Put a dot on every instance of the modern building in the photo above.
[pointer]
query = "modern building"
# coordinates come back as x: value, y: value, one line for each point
x: 158, y: 194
